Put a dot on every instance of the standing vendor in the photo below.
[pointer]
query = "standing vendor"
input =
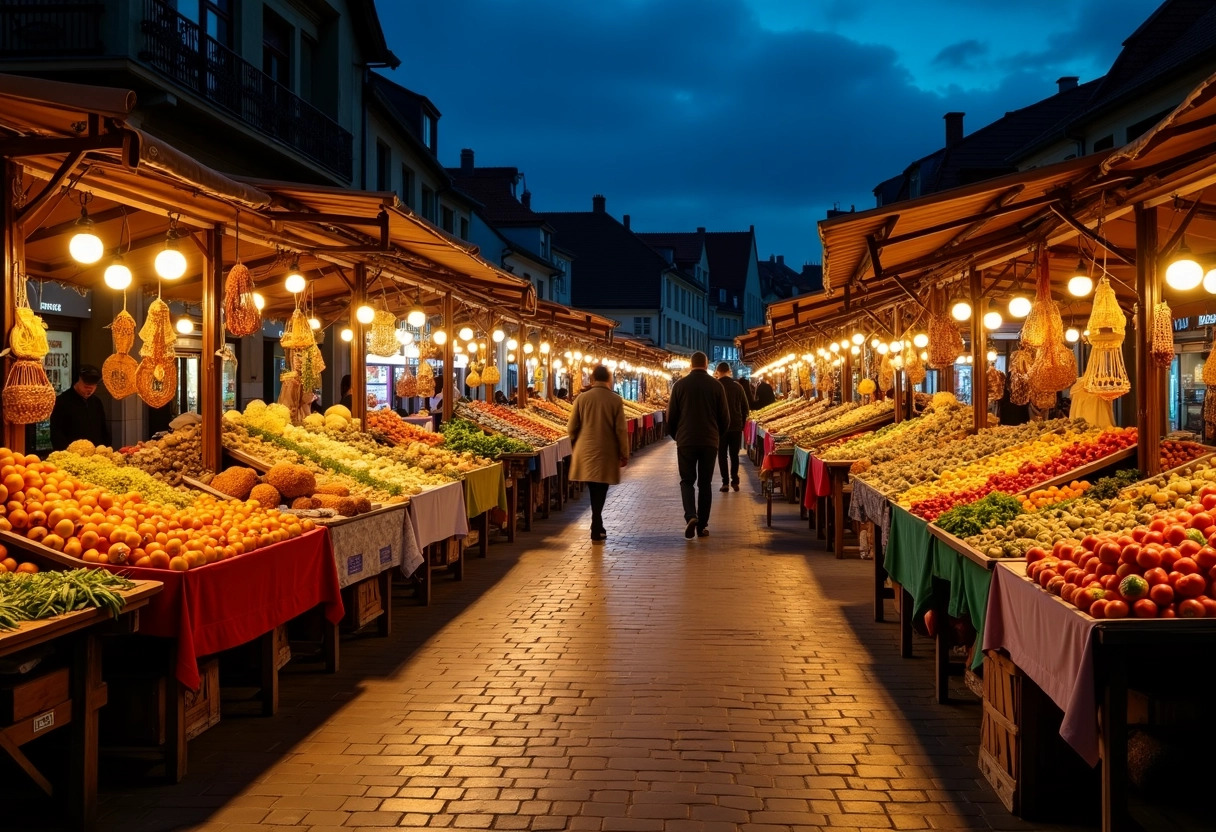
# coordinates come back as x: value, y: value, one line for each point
x: 79, y: 414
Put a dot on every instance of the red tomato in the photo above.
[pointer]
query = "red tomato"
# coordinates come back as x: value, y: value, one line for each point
x: 1148, y: 558
x: 1035, y: 553
x: 1169, y: 556
x: 1174, y: 578
x: 1074, y: 575
x: 1157, y: 525
x: 1206, y: 558
x: 1208, y: 500
x: 1126, y: 569
x: 1162, y: 595
x: 1130, y: 552
x: 1108, y: 581
x: 1154, y: 537
x: 1087, y: 596
x: 1191, y: 586
x: 1138, y: 534
x: 1191, y: 608
x: 1098, y: 608
x: 1175, y: 534
x: 1067, y: 591
x: 1116, y: 609
x: 1056, y: 584
x: 1202, y: 520
x: 1186, y: 566
x: 1109, y: 553
x: 1188, y: 548
x: 1089, y: 543
x: 1104, y: 569
x: 1157, y: 575
x: 1144, y: 608
x: 1064, y: 565
x: 1045, y: 576
x: 1088, y: 578
x: 1209, y: 606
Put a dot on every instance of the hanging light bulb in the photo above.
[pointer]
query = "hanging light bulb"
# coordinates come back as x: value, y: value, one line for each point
x: 314, y: 323
x: 528, y: 349
x: 992, y: 355
x: 365, y: 314
x: 510, y: 358
x: 404, y: 337
x: 295, y: 282
x: 456, y: 348
x: 545, y: 347
x: 924, y: 355
x: 473, y: 346
x: 1019, y: 306
x: 855, y: 350
x: 416, y: 317
x: 259, y: 301
x: 920, y: 340
x: 412, y: 351
x: 118, y: 276
x: 170, y: 264
x: 439, y: 337
x: 347, y: 334
x: 1209, y: 282
x: 185, y: 326
x: 844, y: 343
x: 497, y: 335
x: 961, y: 310
x: 512, y: 344
x: 85, y: 246
x: 874, y: 342
x: 1071, y: 335
x: 882, y: 348
x: 1184, y: 272
x: 897, y: 346
x: 992, y: 320
x: 1080, y: 284
x: 834, y: 347
x: 858, y: 338
x: 465, y: 333
x: 578, y: 356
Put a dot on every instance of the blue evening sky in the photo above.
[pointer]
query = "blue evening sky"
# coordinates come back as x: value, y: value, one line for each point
x: 728, y: 113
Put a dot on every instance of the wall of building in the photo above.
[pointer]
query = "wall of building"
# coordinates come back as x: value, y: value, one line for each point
x: 684, y: 325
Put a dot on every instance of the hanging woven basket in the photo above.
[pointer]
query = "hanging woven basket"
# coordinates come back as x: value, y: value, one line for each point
x: 491, y: 375
x: 241, y: 315
x: 122, y: 330
x: 1162, y: 350
x: 996, y: 384
x: 382, y: 335
x: 945, y: 341
x: 156, y: 381
x: 28, y: 395
x: 407, y: 384
x: 28, y: 337
x: 118, y: 373
x: 157, y: 333
x: 297, y: 335
x: 426, y: 380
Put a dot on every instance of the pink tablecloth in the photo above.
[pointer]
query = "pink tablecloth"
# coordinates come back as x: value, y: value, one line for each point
x: 1053, y: 643
x: 770, y: 444
x: 820, y: 480
x: 749, y: 431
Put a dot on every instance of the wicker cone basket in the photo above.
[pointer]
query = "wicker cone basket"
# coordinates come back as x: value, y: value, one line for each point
x: 1055, y: 365
x: 407, y: 384
x: 297, y: 335
x: 122, y: 330
x: 118, y: 373
x: 426, y: 380
x: 382, y: 335
x: 28, y: 394
x: 1106, y: 313
x: 28, y: 337
x: 473, y: 379
x: 156, y: 381
x: 241, y: 315
x: 945, y: 341
x: 886, y: 374
x: 996, y: 384
x: 157, y: 333
x: 1209, y: 369
x: 913, y: 366
x: 1162, y: 349
x: 491, y: 375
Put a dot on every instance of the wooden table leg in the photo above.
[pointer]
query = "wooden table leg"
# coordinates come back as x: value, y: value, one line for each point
x: 512, y: 507
x: 838, y: 515
x: 1115, y: 817
x: 941, y: 642
x: 384, y: 627
x: 880, y: 579
x: 529, y: 504
x: 424, y: 588
x: 88, y: 697
x: 547, y: 487
x: 483, y: 530
x: 905, y: 622
x: 270, y: 674
x: 821, y: 518
x: 329, y: 644
x: 175, y: 721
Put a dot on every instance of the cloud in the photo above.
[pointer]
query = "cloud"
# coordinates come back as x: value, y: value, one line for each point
x: 959, y: 55
x: 684, y: 113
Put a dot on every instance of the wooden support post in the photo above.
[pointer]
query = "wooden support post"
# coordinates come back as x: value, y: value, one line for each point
x: 212, y: 382
x: 14, y: 265
x: 900, y: 377
x: 1150, y: 401
x: 979, y: 354
x: 521, y: 364
x: 447, y: 386
x: 846, y: 378
x: 358, y: 348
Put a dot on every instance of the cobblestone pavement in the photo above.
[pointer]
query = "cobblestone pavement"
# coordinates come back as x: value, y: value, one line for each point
x: 651, y: 683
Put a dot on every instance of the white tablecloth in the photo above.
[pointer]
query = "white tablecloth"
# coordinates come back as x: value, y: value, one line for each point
x: 564, y: 447
x: 439, y: 513
x: 368, y: 544
x: 549, y: 456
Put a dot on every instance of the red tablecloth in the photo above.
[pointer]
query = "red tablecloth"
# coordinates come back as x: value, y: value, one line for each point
x: 231, y: 602
x: 648, y: 420
x: 770, y: 444
x: 820, y: 480
x: 749, y: 431
x: 777, y: 462
x: 630, y: 424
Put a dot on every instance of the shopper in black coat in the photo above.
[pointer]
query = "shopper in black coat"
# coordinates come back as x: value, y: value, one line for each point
x: 697, y: 417
x: 731, y: 439
x: 764, y: 395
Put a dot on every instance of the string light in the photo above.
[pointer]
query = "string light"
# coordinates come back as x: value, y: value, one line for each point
x: 185, y: 326
x: 497, y: 336
x: 170, y: 264
x: 920, y: 340
x: 347, y: 334
x: 117, y: 276
x: 512, y: 344
x: 465, y: 333
x: 259, y: 301
x: 961, y: 310
x: 85, y: 246
x: 858, y: 338
x: 439, y: 337
x: 314, y: 323
x: 1184, y: 272
x: 1071, y: 335
x: 365, y: 314
x: 1019, y: 306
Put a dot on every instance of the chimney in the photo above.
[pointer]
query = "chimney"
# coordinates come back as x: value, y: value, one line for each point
x: 1068, y: 82
x: 954, y: 127
x: 466, y: 161
x: 525, y: 199
x: 598, y: 203
x: 625, y: 221
x: 772, y: 258
x: 780, y: 259
x: 700, y: 229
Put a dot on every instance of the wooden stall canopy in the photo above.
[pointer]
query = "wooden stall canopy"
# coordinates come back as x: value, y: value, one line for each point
x: 794, y: 322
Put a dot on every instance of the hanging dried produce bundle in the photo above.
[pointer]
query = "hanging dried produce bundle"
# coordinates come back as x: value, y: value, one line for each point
x: 241, y: 315
x: 1044, y: 400
x: 156, y: 381
x: 382, y: 335
x: 1209, y: 369
x: 28, y: 394
x: 426, y: 380
x: 312, y: 364
x: 297, y: 335
x: 28, y: 336
x: 1106, y: 374
x: 1055, y: 364
x: 866, y: 387
x: 1037, y: 327
x: 1209, y: 414
x: 804, y: 378
x: 945, y: 341
x: 996, y: 384
x: 1019, y: 376
x: 576, y: 381
x: 490, y: 376
x: 473, y: 379
x: 292, y: 395
x: 407, y: 384
x: 886, y: 374
x: 157, y: 333
x: 118, y: 371
x: 122, y: 330
x: 1162, y: 349
x: 914, y: 367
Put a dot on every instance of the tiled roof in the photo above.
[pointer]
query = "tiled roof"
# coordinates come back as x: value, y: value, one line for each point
x: 613, y: 268
x: 730, y: 254
x: 494, y: 188
x: 686, y: 246
x: 780, y: 282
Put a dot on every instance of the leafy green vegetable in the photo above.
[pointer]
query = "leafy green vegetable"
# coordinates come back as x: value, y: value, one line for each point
x: 463, y: 435
x: 1108, y: 488
x: 996, y: 509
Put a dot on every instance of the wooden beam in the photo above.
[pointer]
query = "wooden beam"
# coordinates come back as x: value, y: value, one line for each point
x: 211, y: 384
x: 358, y: 348
x: 1002, y: 200
x: 1086, y: 232
x: 37, y: 209
x: 14, y: 260
x: 448, y: 385
x: 1150, y: 399
x: 979, y: 352
x: 882, y: 236
x: 960, y: 222
x: 60, y: 228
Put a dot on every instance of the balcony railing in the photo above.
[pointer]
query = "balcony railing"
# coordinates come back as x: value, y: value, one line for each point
x: 29, y: 28
x: 176, y: 47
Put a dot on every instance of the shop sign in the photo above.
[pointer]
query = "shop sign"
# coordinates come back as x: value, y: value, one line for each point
x: 1196, y: 322
x: 54, y: 299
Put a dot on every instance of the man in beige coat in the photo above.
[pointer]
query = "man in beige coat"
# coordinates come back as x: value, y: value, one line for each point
x: 601, y: 443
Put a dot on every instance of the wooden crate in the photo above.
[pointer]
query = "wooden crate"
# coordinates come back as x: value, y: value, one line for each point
x: 203, y: 705
x: 368, y: 603
x: 999, y: 730
x: 30, y: 696
x: 445, y: 552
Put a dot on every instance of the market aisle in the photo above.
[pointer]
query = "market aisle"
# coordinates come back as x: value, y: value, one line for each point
x: 652, y: 683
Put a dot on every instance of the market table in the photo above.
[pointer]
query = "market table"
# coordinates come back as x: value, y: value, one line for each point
x: 440, y: 525
x: 517, y: 476
x: 776, y: 463
x: 1085, y: 665
x: 869, y: 505
x: 485, y: 489
x: 43, y: 701
x: 837, y: 474
x: 367, y: 550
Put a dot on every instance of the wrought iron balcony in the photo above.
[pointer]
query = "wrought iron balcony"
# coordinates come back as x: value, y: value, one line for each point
x: 176, y: 48
x: 36, y: 28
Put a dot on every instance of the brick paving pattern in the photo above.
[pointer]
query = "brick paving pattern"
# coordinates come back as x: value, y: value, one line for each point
x: 651, y: 683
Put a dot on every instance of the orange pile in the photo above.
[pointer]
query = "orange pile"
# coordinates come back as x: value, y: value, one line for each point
x: 50, y: 507
x: 1050, y: 496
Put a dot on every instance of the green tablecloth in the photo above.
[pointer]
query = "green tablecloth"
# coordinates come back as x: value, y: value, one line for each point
x: 802, y: 461
x: 485, y: 488
x: 914, y: 558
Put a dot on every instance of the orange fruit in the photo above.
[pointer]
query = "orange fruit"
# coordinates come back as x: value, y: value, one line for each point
x: 10, y: 564
x: 65, y: 528
x: 159, y: 560
x: 179, y: 564
x: 27, y: 567
x: 14, y: 482
x: 72, y: 547
x: 92, y: 556
x: 53, y: 541
x: 36, y: 533
x: 144, y: 561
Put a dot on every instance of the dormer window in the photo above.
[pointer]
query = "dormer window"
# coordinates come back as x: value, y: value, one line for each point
x: 428, y: 131
x: 721, y: 296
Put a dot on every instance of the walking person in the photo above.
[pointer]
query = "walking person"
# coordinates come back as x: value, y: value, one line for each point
x: 731, y: 439
x: 764, y: 395
x: 600, y: 443
x: 697, y: 417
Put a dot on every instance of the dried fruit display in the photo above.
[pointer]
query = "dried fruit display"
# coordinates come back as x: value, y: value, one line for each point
x: 393, y: 429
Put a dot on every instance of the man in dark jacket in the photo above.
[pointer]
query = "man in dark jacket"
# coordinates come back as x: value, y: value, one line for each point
x: 731, y: 439
x: 764, y: 395
x: 79, y: 414
x: 697, y: 417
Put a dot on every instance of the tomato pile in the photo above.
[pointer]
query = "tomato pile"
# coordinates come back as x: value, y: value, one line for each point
x: 1166, y: 569
x: 1175, y: 453
x: 1030, y: 474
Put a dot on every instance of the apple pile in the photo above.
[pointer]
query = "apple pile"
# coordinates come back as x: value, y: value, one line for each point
x: 1175, y: 453
x: 1166, y: 569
